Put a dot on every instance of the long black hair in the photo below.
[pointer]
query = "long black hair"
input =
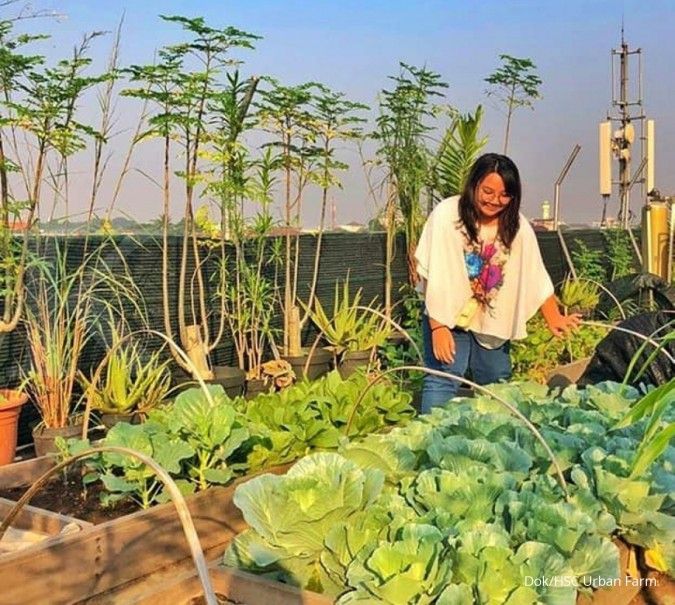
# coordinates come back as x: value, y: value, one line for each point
x: 509, y: 219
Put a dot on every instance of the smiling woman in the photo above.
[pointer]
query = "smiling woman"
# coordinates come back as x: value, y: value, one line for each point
x: 482, y: 277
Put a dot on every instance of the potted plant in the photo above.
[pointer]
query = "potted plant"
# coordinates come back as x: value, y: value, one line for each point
x: 186, y: 102
x: 60, y: 318
x: 11, y: 402
x: 353, y: 332
x: 57, y: 329
x: 124, y: 387
x: 559, y: 361
x: 306, y: 122
x: 579, y: 296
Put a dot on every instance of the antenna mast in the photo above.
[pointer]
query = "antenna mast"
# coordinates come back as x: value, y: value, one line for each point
x: 628, y: 112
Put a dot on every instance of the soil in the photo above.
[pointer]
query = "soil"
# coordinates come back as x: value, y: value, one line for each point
x: 69, y: 499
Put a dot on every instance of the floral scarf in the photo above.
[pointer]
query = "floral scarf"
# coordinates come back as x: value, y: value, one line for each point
x: 485, y: 266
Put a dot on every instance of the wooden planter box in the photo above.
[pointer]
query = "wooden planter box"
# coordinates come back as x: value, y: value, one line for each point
x: 20, y: 474
x: 38, y: 521
x: 101, y: 558
x: 180, y: 586
x: 143, y: 558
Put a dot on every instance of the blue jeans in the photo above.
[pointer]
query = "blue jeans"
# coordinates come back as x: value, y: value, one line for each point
x: 485, y: 365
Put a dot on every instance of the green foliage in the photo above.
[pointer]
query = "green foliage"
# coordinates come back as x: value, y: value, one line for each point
x: 129, y: 382
x: 202, y: 443
x: 588, y: 263
x: 212, y: 429
x: 349, y: 328
x: 468, y: 510
x: 311, y: 415
x: 457, y: 152
x: 515, y: 84
x: 619, y: 251
x: 317, y: 494
x: 402, y: 133
x: 412, y: 567
x: 535, y: 356
x: 579, y: 295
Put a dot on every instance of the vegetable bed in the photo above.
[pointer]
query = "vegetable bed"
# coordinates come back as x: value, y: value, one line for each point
x: 461, y: 506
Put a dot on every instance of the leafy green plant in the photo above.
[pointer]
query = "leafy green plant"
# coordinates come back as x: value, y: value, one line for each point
x: 535, y: 356
x: 310, y: 415
x: 579, y: 295
x: 193, y: 439
x: 129, y: 383
x: 515, y: 84
x: 457, y: 152
x: 126, y: 478
x: 468, y: 509
x: 317, y: 494
x: 212, y: 429
x: 619, y: 251
x: 349, y: 328
x: 412, y: 567
x: 588, y: 262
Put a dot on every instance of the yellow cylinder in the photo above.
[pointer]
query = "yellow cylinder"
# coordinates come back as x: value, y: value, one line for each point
x: 655, y: 238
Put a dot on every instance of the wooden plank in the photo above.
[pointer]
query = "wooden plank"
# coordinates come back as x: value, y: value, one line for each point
x: 106, y: 556
x: 25, y: 472
x: 39, y: 520
x: 238, y: 586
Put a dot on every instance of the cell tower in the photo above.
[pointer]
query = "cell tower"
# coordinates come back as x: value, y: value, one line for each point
x: 617, y: 143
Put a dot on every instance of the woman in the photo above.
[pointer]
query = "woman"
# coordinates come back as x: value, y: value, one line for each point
x: 483, y: 277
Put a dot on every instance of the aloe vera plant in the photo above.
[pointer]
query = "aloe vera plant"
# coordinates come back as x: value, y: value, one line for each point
x: 129, y: 383
x: 349, y: 328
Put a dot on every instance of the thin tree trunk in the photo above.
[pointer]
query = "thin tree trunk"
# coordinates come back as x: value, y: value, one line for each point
x: 508, y: 117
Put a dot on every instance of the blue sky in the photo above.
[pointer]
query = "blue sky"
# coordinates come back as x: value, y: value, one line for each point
x: 353, y: 46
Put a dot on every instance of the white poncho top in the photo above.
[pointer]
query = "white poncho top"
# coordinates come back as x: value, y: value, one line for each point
x: 440, y: 257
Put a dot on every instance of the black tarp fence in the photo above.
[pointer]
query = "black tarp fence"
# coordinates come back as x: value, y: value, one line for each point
x: 139, y: 258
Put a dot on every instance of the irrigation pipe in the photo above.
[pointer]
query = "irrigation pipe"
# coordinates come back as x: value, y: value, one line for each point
x: 164, y: 477
x: 482, y: 389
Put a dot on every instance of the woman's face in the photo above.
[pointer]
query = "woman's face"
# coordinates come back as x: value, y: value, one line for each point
x: 490, y: 197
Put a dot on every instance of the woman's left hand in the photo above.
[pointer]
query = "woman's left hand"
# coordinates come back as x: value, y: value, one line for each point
x: 561, y: 325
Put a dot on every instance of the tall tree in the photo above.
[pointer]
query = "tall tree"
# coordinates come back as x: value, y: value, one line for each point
x: 516, y: 84
x: 403, y: 134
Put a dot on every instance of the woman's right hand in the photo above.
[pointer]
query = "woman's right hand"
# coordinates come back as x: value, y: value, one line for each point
x: 443, y: 344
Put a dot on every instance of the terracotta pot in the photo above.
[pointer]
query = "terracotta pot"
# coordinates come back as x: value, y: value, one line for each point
x: 353, y: 361
x: 43, y: 437
x: 10, y: 408
x: 319, y: 364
